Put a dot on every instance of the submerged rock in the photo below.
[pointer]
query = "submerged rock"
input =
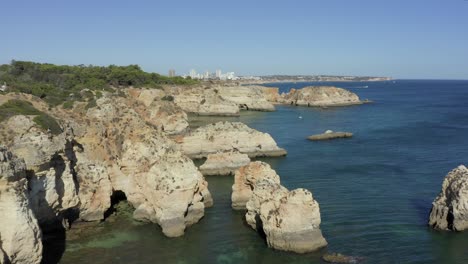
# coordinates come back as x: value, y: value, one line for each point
x: 229, y: 136
x: 330, y: 135
x: 290, y: 220
x: 20, y: 236
x: 245, y: 179
x: 320, y: 96
x: 450, y: 207
x: 224, y: 163
x: 340, y: 258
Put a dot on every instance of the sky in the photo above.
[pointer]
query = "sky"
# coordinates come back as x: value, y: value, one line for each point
x: 409, y: 39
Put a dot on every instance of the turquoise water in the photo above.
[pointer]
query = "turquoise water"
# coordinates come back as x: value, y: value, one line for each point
x: 375, y: 189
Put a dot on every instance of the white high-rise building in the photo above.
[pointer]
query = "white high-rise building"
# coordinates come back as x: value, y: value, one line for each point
x: 193, y: 74
x: 218, y: 73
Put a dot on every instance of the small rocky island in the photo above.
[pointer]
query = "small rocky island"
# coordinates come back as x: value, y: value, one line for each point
x: 450, y: 207
x: 320, y: 96
x: 329, y: 134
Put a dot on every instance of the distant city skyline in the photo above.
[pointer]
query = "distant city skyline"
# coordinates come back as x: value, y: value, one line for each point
x: 401, y: 39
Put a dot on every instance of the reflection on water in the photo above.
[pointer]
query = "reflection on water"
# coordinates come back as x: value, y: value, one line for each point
x: 375, y: 189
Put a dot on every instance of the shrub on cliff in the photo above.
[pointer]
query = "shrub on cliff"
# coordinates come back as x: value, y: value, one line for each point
x: 19, y: 107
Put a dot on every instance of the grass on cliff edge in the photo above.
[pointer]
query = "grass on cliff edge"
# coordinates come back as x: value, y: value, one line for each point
x: 19, y: 107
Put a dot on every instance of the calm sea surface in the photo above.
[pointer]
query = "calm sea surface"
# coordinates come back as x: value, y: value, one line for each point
x: 375, y: 190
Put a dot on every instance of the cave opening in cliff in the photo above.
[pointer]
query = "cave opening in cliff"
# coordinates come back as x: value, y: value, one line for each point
x: 116, y: 197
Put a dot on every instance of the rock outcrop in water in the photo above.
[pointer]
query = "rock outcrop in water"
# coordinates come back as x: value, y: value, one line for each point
x: 320, y: 96
x: 450, y: 207
x: 245, y: 179
x: 330, y: 135
x: 224, y: 163
x: 228, y: 136
x: 20, y: 236
x: 290, y: 220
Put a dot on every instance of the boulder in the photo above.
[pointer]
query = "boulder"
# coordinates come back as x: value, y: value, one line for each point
x: 290, y: 220
x: 224, y: 163
x: 330, y: 135
x: 20, y: 236
x: 228, y: 136
x: 320, y: 96
x: 450, y: 207
x: 245, y: 179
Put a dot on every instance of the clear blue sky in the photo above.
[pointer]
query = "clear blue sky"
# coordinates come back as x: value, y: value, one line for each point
x: 399, y: 38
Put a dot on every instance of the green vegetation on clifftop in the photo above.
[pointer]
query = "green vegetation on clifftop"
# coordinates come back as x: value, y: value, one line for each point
x: 57, y: 84
x: 19, y: 107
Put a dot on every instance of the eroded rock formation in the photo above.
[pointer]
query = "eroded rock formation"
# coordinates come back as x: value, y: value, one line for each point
x: 228, y: 136
x: 290, y: 220
x: 224, y: 163
x: 450, y: 207
x: 320, y: 96
x: 112, y: 147
x: 20, y: 236
x: 245, y: 179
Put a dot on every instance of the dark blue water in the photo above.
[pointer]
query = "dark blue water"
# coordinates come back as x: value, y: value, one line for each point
x: 375, y: 189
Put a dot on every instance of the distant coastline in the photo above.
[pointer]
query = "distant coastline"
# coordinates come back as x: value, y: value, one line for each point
x: 319, y: 78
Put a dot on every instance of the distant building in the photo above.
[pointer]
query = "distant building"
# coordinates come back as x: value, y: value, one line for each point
x: 218, y: 74
x: 4, y: 87
x: 171, y: 73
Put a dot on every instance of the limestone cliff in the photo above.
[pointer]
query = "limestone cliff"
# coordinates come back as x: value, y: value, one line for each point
x: 20, y: 236
x: 228, y: 136
x: 320, y: 96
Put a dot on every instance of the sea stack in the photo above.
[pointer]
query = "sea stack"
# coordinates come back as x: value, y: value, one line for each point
x: 224, y: 163
x: 450, y: 207
x: 290, y: 220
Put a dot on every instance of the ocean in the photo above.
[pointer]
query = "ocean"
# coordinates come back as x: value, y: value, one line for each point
x: 375, y: 190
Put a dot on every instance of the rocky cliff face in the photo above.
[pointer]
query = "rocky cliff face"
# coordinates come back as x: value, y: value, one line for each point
x: 221, y: 100
x: 228, y: 136
x: 163, y: 115
x: 245, y: 179
x: 450, y: 207
x: 115, y: 146
x: 20, y: 236
x: 205, y: 101
x: 246, y: 97
x: 224, y: 163
x: 320, y: 96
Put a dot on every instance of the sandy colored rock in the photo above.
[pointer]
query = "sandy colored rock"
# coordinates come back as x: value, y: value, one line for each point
x: 330, y: 135
x: 320, y: 96
x: 115, y: 146
x: 163, y: 185
x: 206, y: 102
x: 290, y: 220
x: 229, y: 136
x: 224, y: 163
x: 245, y: 179
x: 20, y: 236
x: 450, y: 207
x: 246, y: 97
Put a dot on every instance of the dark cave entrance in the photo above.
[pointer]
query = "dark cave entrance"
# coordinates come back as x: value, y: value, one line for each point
x: 116, y: 197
